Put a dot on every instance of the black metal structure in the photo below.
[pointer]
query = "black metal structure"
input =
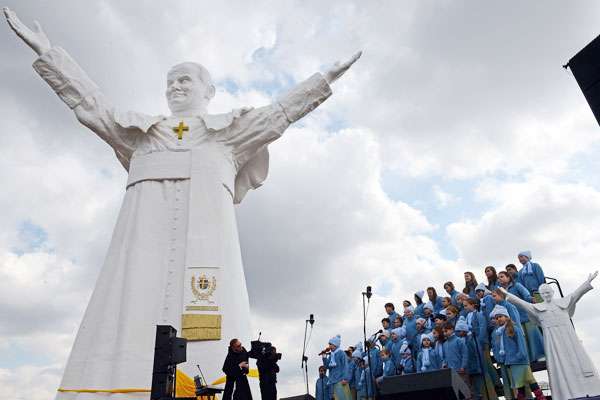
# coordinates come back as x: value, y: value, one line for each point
x: 585, y: 66
x: 443, y: 384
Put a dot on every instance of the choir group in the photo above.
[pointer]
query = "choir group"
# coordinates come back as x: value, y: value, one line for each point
x: 461, y: 331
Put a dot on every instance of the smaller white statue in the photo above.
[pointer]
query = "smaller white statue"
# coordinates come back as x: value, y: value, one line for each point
x: 571, y: 371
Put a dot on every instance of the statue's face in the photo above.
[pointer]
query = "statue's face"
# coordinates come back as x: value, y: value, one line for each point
x: 546, y: 292
x: 185, y: 89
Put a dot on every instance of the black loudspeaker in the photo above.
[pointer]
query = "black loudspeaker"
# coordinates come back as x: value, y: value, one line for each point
x: 443, y: 384
x: 585, y: 66
x: 169, y: 350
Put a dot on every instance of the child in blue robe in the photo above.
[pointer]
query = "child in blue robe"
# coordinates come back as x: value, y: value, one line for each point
x: 410, y: 324
x: 416, y: 343
x: 366, y: 382
x: 398, y: 322
x: 385, y: 323
x: 428, y: 315
x: 406, y: 363
x: 533, y: 335
x: 390, y: 310
x: 419, y: 303
x: 354, y: 372
x: 492, y: 278
x: 451, y: 290
x: 531, y: 275
x: 474, y: 358
x: 478, y: 326
x: 439, y: 338
x: 455, y: 351
x: 510, y: 351
x: 435, y: 300
x: 389, y: 369
x: 397, y: 337
x: 470, y: 284
x: 428, y: 359
x: 335, y: 363
x: 376, y: 363
x: 322, y: 387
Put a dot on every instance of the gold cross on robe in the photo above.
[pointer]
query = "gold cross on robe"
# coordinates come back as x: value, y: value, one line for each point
x: 180, y: 129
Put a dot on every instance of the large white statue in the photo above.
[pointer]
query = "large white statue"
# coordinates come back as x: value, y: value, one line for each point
x: 174, y: 257
x: 571, y: 371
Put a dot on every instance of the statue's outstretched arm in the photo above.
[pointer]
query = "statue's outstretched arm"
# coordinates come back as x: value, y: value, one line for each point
x: 339, y: 69
x: 582, y: 289
x: 511, y: 298
x: 34, y: 38
x: 74, y: 87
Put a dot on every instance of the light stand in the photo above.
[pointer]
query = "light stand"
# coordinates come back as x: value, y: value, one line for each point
x: 368, y: 295
x: 304, y: 364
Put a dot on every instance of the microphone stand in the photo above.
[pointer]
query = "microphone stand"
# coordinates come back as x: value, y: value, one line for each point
x: 304, y: 364
x: 367, y: 294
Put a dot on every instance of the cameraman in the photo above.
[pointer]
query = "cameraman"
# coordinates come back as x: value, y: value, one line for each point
x: 267, y: 371
x: 236, y: 369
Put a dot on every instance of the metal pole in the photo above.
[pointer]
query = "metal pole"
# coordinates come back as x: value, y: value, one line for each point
x: 366, y: 346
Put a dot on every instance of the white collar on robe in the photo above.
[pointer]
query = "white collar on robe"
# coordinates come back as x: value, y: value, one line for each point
x: 251, y: 175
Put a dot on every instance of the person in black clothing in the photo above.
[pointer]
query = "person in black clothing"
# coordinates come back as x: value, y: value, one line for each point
x: 235, y: 369
x: 267, y: 371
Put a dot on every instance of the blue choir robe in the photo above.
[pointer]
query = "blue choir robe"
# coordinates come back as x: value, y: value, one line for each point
x: 453, y: 295
x: 515, y: 348
x: 533, y: 280
x: 337, y: 372
x: 471, y: 293
x: 439, y: 350
x: 416, y: 344
x: 437, y: 305
x: 395, y: 352
x: 478, y: 326
x: 455, y: 353
x: 408, y: 366
x: 323, y: 390
x: 389, y: 368
x: 434, y: 360
x: 351, y: 368
x: 376, y: 362
x: 366, y: 384
x: 513, y: 313
x: 486, y: 305
x: 491, y: 286
x: 410, y: 324
x: 357, y: 373
x: 419, y: 310
x: 474, y: 355
x: 392, y: 317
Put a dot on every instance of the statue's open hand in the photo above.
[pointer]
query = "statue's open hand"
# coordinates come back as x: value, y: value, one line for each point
x: 592, y: 276
x: 339, y: 69
x: 36, y: 38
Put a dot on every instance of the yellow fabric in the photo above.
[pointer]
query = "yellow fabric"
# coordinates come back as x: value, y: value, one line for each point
x: 252, y: 374
x: 185, y: 386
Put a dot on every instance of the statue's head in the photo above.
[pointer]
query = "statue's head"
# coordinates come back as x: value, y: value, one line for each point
x: 546, y: 292
x: 189, y: 89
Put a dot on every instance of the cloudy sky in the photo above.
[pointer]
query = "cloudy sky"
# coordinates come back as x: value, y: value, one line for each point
x: 454, y: 142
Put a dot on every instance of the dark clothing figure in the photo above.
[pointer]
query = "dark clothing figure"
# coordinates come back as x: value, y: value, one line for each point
x: 236, y: 382
x: 267, y: 370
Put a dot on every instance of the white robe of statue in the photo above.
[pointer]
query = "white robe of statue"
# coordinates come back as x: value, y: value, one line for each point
x: 177, y: 220
x: 178, y: 212
x: 571, y: 371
